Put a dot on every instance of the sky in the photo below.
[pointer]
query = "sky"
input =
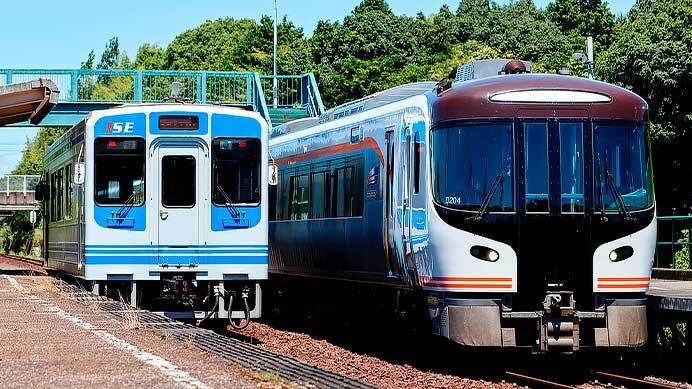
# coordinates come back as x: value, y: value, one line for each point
x: 60, y: 34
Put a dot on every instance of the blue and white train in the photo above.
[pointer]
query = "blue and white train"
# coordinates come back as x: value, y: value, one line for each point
x: 166, y: 202
x: 517, y: 209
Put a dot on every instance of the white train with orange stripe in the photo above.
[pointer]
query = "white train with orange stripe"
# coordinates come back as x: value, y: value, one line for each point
x: 519, y: 208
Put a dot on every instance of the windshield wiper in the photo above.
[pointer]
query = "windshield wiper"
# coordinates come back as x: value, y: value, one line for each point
x: 235, y: 213
x: 127, y: 205
x: 483, y: 209
x: 610, y: 182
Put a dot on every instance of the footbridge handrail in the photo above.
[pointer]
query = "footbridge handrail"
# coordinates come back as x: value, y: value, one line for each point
x: 674, y: 242
x: 18, y: 184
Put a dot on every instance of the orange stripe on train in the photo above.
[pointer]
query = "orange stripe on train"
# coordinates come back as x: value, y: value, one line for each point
x: 623, y: 286
x: 450, y: 279
x: 462, y: 286
x: 622, y: 279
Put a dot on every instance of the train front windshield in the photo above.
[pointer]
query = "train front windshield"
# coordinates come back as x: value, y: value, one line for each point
x: 623, y: 167
x: 473, y: 166
x: 236, y: 171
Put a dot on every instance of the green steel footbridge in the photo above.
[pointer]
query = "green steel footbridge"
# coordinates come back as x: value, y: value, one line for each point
x: 85, y: 90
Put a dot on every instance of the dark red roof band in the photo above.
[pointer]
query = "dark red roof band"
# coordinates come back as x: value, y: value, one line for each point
x: 471, y: 99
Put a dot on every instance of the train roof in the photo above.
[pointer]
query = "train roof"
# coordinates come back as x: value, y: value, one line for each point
x: 367, y: 103
x: 536, y: 95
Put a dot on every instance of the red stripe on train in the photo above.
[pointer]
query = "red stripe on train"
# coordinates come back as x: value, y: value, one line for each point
x: 343, y: 148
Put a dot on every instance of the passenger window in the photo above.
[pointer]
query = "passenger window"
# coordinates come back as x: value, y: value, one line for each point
x: 282, y: 196
x: 536, y: 166
x: 572, y: 167
x: 236, y: 171
x: 319, y: 195
x: 68, y: 191
x: 59, y: 195
x: 299, y: 197
x: 348, y: 192
x: 342, y: 190
x: 178, y: 181
x: 52, y: 197
x: 119, y: 166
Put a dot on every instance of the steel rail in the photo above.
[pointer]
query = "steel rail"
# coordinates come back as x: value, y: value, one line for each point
x: 631, y: 380
x: 20, y: 258
x: 540, y: 381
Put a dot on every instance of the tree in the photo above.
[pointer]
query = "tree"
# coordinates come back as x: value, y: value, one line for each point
x: 650, y: 55
x: 372, y: 5
x: 521, y: 28
x: 581, y: 18
x: 15, y: 230
x: 149, y: 56
x: 32, y: 158
x: 221, y: 44
x: 110, y: 55
x: 475, y: 19
x: 368, y: 51
x: 109, y: 58
x: 443, y: 30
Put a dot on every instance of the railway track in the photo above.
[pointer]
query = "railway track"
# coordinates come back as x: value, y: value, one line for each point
x: 594, y: 378
x: 32, y: 261
x: 630, y: 382
x: 239, y: 352
x: 232, y: 350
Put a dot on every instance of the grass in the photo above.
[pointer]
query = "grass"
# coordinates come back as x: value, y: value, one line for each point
x: 163, y: 335
x: 130, y: 317
x: 47, y: 284
x: 264, y: 379
x: 269, y: 376
x: 190, y: 341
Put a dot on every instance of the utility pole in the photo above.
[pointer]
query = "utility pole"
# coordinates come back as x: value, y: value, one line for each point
x: 275, y: 89
x: 589, y: 56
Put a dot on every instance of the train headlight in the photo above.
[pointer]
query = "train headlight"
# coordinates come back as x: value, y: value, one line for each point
x: 485, y: 253
x: 621, y: 253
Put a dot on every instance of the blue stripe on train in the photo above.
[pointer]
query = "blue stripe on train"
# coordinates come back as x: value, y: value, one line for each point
x: 153, y: 260
x: 170, y: 251
x: 169, y: 246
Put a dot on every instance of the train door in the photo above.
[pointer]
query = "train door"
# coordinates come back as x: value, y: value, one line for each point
x: 393, y: 269
x: 402, y: 201
x: 180, y: 184
x: 552, y: 203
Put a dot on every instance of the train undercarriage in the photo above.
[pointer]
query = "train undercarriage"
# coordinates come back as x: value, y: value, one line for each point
x: 556, y: 324
x: 183, y: 296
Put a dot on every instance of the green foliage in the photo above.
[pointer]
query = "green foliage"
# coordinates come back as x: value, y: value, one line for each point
x: 32, y: 159
x: 150, y: 56
x: 650, y: 54
x: 523, y: 29
x: 372, y: 5
x: 15, y: 230
x: 682, y: 255
x: 580, y: 18
x: 372, y: 49
x: 475, y: 19
x: 109, y: 88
